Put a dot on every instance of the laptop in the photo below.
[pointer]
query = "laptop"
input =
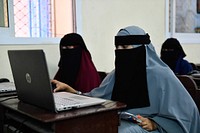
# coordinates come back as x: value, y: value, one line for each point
x: 7, y: 89
x: 196, y: 75
x: 33, y: 86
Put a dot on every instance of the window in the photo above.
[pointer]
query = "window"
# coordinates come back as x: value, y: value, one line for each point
x: 183, y: 20
x: 33, y: 18
x: 39, y: 19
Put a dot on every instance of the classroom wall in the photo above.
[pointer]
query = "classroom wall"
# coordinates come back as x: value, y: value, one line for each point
x: 103, y: 19
x: 51, y: 51
x: 100, y: 21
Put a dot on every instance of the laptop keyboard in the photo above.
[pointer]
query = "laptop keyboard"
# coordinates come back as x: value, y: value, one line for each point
x: 7, y: 87
x: 64, y: 101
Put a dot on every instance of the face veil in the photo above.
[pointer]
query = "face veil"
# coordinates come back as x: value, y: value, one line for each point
x: 130, y: 84
x: 70, y: 62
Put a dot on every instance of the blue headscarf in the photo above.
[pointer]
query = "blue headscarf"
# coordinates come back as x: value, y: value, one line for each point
x: 171, y: 106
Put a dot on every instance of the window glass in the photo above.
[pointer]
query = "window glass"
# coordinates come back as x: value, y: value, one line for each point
x: 42, y: 18
x: 183, y: 20
x: 187, y: 16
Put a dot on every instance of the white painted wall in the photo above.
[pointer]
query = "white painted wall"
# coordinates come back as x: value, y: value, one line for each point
x: 101, y: 20
x: 52, y: 56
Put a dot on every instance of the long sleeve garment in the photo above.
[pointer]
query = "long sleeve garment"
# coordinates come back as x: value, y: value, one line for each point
x: 171, y: 106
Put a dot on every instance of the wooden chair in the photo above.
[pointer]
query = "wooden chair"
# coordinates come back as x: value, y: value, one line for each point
x: 191, y: 86
x: 197, y: 81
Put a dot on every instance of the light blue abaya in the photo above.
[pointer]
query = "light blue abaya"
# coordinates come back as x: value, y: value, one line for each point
x: 171, y: 106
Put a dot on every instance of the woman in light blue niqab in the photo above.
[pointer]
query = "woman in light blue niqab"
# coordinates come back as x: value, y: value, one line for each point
x: 171, y: 107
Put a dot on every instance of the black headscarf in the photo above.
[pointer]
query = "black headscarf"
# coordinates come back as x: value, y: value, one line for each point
x: 171, y: 51
x: 70, y: 58
x: 75, y: 66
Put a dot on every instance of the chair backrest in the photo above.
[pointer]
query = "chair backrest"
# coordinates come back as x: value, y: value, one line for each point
x: 191, y: 86
x: 193, y: 66
x: 197, y: 81
x: 102, y: 75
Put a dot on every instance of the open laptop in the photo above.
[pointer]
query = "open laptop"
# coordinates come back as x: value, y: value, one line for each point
x: 33, y: 84
x: 7, y: 89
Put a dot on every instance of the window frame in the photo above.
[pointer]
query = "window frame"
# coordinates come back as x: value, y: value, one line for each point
x: 8, y: 36
x: 8, y: 31
x: 184, y: 38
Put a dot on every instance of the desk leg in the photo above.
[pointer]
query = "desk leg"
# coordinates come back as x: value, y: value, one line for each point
x: 104, y: 122
x: 1, y: 119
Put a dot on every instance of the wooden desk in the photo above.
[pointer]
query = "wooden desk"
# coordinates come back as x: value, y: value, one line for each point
x: 96, y: 119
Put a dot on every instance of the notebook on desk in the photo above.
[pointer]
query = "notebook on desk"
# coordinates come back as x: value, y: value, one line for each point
x: 33, y: 86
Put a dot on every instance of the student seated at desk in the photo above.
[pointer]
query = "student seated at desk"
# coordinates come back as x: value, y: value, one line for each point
x: 75, y: 66
x: 173, y: 55
x: 148, y: 87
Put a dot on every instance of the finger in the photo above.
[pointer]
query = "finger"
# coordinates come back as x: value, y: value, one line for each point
x: 54, y: 81
x: 57, y: 89
x: 146, y: 127
x: 139, y: 116
x: 142, y: 118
